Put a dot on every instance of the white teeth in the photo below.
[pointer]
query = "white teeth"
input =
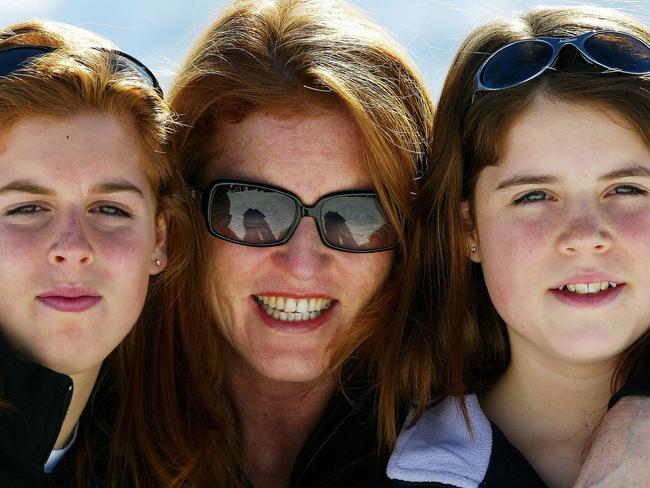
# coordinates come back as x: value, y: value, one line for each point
x: 293, y: 309
x: 586, y: 288
x: 302, y: 305
x: 289, y: 305
x: 582, y: 288
x: 594, y: 287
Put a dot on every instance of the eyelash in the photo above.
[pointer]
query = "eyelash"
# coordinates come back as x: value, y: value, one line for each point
x: 26, y: 210
x: 105, y: 210
x: 113, y: 211
x: 635, y: 190
x: 525, y: 199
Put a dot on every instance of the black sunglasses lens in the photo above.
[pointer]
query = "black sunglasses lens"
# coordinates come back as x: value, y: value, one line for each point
x: 618, y: 51
x: 251, y: 215
x: 516, y: 63
x: 16, y: 58
x: 356, y: 223
x: 121, y: 61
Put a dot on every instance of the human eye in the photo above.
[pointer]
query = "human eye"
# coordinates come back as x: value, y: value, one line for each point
x: 532, y: 197
x: 111, y: 211
x: 626, y: 190
x: 26, y: 210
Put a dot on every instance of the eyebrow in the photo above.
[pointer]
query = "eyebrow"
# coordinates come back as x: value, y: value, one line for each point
x: 637, y: 170
x: 117, y: 187
x: 520, y: 180
x: 23, y: 186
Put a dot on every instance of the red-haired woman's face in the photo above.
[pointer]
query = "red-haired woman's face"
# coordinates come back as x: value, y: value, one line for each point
x: 564, y: 233
x: 78, y: 238
x: 310, y: 155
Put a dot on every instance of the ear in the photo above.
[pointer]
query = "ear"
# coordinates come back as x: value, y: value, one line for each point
x: 159, y: 254
x: 471, y: 234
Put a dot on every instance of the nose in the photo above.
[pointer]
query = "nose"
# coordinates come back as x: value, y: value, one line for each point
x: 586, y: 232
x: 71, y: 246
x: 305, y: 255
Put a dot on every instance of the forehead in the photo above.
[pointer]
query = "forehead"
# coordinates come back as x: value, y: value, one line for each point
x: 73, y: 150
x: 556, y: 137
x: 307, y: 152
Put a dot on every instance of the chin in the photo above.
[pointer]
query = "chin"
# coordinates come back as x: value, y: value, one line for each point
x: 291, y: 371
x: 591, y: 349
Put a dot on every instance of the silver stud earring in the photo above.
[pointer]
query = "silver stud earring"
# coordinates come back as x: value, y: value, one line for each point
x: 474, y: 249
x: 157, y: 262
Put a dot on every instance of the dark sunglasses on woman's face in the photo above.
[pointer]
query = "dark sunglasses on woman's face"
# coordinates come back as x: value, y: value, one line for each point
x: 17, y: 57
x: 261, y: 215
x: 521, y: 61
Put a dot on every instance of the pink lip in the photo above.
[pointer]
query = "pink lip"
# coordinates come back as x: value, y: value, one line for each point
x: 588, y: 300
x: 301, y: 327
x: 70, y: 298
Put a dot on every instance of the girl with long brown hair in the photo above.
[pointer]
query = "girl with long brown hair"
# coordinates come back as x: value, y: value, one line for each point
x: 87, y: 197
x: 303, y: 129
x: 538, y: 217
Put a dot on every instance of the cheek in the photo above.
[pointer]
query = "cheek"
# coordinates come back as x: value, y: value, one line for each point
x: 232, y: 270
x: 511, y: 251
x: 633, y: 226
x: 126, y: 248
x: 19, y: 243
x: 361, y: 275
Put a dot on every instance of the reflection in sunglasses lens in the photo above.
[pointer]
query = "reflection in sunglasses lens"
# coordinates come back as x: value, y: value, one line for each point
x: 516, y: 63
x: 355, y: 223
x: 619, y: 52
x: 253, y: 215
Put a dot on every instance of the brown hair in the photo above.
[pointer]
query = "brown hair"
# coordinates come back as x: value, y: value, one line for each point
x: 468, y: 137
x: 137, y: 404
x: 293, y: 54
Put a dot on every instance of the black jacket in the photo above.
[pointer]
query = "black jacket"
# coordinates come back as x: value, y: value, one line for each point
x: 38, y: 401
x: 342, y: 450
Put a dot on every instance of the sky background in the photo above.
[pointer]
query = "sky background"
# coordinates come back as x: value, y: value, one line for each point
x: 160, y: 32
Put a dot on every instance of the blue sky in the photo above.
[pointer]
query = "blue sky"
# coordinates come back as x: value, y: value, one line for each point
x: 159, y: 33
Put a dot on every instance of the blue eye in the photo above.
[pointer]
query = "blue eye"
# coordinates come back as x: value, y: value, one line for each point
x: 532, y: 197
x: 26, y: 210
x: 627, y: 190
x: 112, y: 211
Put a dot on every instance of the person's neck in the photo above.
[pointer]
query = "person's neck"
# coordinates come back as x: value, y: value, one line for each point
x: 83, y: 384
x: 276, y: 419
x: 548, y: 409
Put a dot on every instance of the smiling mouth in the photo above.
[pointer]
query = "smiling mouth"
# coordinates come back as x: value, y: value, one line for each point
x: 289, y: 309
x: 588, y: 288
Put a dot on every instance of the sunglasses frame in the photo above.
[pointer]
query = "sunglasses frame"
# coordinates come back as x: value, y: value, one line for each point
x: 557, y: 44
x: 302, y: 210
x: 113, y: 54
